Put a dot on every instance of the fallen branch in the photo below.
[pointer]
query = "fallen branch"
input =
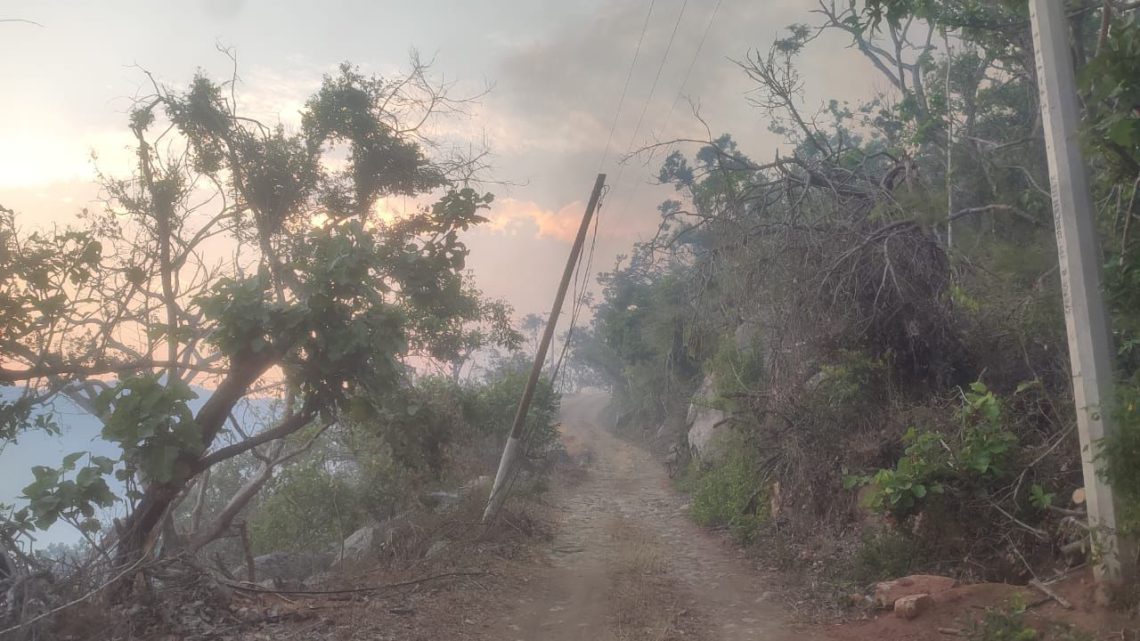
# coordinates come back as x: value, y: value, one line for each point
x: 374, y: 588
x: 1048, y: 591
x: 1040, y: 534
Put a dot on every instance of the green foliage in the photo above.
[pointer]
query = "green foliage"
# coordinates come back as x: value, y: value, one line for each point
x: 1118, y: 454
x: 900, y: 491
x: 308, y: 508
x: 849, y: 382
x: 396, y: 446
x: 56, y: 494
x: 154, y: 426
x: 730, y: 493
x: 974, y: 459
x: 1003, y: 625
x: 887, y: 554
x: 1039, y: 498
x: 323, y: 291
x: 1009, y: 624
x: 1112, y: 83
x: 489, y: 407
x: 736, y: 371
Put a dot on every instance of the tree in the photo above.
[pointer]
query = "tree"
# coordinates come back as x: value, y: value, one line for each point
x: 243, y: 259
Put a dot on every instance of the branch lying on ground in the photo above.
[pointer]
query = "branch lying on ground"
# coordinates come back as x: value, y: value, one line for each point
x: 374, y: 588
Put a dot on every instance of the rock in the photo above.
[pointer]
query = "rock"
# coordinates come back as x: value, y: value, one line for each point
x: 888, y: 593
x: 368, y: 541
x: 909, y: 607
x: 437, y: 548
x: 705, y: 423
x: 815, y: 381
x: 317, y: 580
x: 285, y: 567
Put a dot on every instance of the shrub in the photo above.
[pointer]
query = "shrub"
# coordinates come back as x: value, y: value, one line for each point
x: 307, y: 508
x: 1118, y: 455
x: 489, y: 408
x: 976, y: 457
x: 730, y: 493
x: 1002, y: 625
x: 848, y: 383
x: 886, y: 555
x: 1009, y: 625
x: 736, y: 372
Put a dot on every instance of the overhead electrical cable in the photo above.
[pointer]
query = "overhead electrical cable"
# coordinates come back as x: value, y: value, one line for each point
x: 625, y: 88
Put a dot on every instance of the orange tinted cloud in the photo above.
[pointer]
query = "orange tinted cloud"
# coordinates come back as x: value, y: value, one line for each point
x: 509, y: 215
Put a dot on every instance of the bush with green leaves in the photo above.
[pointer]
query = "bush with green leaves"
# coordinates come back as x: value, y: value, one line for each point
x: 489, y: 406
x: 431, y: 434
x: 309, y: 507
x: 1009, y: 624
x: 737, y: 370
x: 731, y: 492
x: 850, y: 380
x: 1119, y: 454
x: 980, y: 454
x: 887, y: 554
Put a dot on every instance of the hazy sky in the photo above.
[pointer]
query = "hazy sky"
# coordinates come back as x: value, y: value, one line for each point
x: 557, y: 71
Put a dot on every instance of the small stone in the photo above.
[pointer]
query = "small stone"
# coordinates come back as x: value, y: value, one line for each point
x: 909, y: 607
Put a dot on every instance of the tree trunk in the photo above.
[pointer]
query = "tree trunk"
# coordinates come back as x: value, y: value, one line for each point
x: 158, y: 496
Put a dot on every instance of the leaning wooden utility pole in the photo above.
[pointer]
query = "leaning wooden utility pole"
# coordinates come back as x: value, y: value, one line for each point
x: 514, y: 445
x: 1085, y: 317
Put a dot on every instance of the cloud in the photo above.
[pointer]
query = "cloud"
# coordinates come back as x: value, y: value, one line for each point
x: 510, y: 216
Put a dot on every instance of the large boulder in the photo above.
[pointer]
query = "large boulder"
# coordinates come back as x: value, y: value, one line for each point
x: 706, y: 423
x: 286, y: 567
x: 372, y: 540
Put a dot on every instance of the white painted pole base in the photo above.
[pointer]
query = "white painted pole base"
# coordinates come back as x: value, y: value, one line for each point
x: 498, y: 491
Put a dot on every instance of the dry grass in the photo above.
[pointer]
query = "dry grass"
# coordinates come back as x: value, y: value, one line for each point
x: 646, y: 604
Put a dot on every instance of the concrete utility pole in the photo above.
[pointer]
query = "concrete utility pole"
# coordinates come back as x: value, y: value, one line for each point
x: 1080, y: 264
x: 514, y: 445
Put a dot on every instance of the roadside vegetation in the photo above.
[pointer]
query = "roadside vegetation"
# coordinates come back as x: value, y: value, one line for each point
x: 873, y: 317
x: 278, y: 363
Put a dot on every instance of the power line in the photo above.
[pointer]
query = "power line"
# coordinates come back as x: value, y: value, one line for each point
x: 581, y: 277
x: 656, y: 78
x: 681, y: 89
x: 625, y: 88
x: 689, y: 71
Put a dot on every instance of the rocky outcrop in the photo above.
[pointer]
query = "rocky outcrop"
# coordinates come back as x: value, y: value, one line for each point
x: 286, y: 567
x: 705, y: 423
x: 372, y: 540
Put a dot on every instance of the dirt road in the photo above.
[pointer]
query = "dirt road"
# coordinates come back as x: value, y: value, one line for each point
x: 626, y: 563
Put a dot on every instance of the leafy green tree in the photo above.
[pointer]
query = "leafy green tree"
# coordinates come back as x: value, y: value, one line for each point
x: 244, y: 259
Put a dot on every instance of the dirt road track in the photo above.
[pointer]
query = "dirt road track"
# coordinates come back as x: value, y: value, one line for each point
x: 626, y: 563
